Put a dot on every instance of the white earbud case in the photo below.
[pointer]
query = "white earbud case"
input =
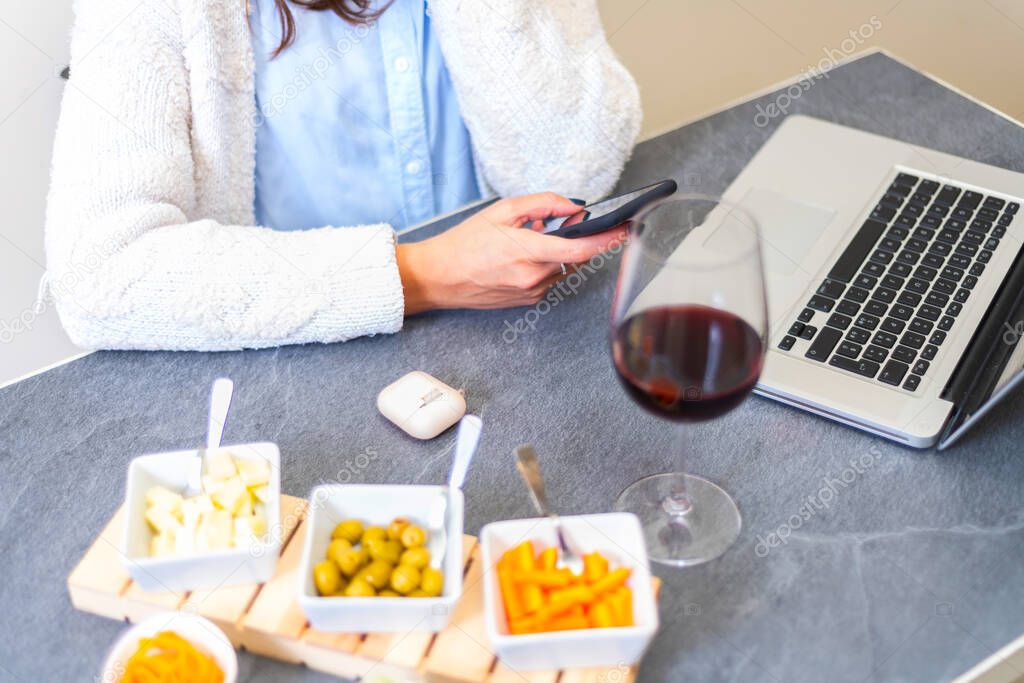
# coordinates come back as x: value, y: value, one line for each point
x: 421, y: 405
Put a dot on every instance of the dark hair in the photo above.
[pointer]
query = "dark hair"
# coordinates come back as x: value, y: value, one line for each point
x: 353, y: 11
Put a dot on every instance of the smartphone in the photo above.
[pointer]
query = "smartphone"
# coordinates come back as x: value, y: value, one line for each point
x: 607, y: 213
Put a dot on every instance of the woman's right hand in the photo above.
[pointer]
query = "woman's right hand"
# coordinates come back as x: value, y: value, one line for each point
x: 496, y: 258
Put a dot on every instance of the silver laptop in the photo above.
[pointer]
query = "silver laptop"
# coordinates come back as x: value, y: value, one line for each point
x: 895, y: 280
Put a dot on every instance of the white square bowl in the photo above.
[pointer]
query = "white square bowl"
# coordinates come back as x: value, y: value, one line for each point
x: 378, y: 505
x: 618, y: 537
x: 211, y: 569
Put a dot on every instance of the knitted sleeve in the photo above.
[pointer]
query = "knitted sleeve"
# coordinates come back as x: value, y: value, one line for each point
x: 133, y: 262
x: 546, y: 102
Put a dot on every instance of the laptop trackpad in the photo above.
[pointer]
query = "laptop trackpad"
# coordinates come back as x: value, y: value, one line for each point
x: 790, y: 228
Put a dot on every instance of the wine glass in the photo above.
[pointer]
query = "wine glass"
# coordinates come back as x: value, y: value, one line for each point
x: 688, y: 331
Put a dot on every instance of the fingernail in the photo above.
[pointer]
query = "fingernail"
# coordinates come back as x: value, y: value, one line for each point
x: 578, y: 202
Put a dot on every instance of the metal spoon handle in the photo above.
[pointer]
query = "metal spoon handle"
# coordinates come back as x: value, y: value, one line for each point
x: 220, y: 401
x: 528, y: 465
x: 465, y: 447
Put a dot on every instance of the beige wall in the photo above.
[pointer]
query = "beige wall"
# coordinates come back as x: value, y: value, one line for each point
x: 694, y: 56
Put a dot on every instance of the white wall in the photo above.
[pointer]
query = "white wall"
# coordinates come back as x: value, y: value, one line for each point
x: 33, y: 50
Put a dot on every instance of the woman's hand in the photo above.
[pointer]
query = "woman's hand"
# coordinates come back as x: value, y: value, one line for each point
x: 496, y: 258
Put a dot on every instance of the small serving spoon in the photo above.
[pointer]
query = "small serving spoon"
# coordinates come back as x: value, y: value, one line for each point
x: 220, y: 401
x: 465, y: 446
x: 528, y: 465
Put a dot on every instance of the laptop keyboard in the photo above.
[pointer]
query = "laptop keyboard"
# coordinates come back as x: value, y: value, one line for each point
x: 894, y: 294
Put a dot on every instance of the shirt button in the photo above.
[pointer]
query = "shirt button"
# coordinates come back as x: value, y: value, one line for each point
x: 413, y: 167
x: 401, y: 65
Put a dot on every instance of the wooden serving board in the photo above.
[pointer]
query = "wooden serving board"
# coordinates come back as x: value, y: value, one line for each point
x: 266, y: 619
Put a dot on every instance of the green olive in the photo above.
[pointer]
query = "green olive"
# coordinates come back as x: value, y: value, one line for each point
x: 416, y: 557
x: 388, y: 593
x: 359, y: 588
x: 351, y: 561
x: 326, y: 577
x: 432, y: 582
x: 377, y: 574
x: 405, y: 579
x: 336, y: 548
x: 413, y: 536
x: 396, y: 527
x: 351, y: 530
x: 373, y: 532
x: 389, y: 551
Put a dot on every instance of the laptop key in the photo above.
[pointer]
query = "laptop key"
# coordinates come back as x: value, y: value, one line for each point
x: 981, y: 225
x: 948, y: 195
x: 950, y: 236
x: 1000, y: 232
x: 857, y: 294
x: 865, y: 368
x: 902, y: 312
x: 913, y: 340
x: 984, y: 256
x: 873, y: 269
x: 809, y: 332
x: 970, y: 199
x: 893, y: 372
x: 866, y: 281
x: 929, y: 312
x: 920, y: 367
x: 955, y: 224
x: 1012, y: 208
x: 946, y: 323
x: 954, y: 309
x: 805, y: 315
x: 820, y: 303
x: 875, y: 308
x: 963, y: 213
x: 889, y: 244
x: 849, y: 349
x: 916, y: 245
x: 924, y: 234
x: 839, y: 320
x: 991, y: 243
x: 938, y: 336
x: 988, y: 214
x: 893, y: 282
x: 932, y: 261
x: 893, y: 325
x: 849, y: 262
x: 994, y: 203
x: 928, y: 187
x: 787, y: 342
x: 972, y: 237
x: 913, y: 381
x: 917, y: 286
x: 1005, y: 220
x: 929, y: 352
x: 905, y: 179
x: 937, y: 298
x: 875, y: 353
x: 944, y: 286
x: 920, y: 326
x: 925, y: 273
x: 847, y: 307
x: 900, y: 269
x: 961, y: 261
x: 884, y: 339
x: 940, y: 248
x: 881, y: 256
x: 969, y: 282
x: 831, y: 289
x: 883, y: 294
x: 904, y: 354
x: 977, y: 269
x: 883, y: 213
x: 822, y: 347
x: 858, y: 336
x: 961, y: 295
x: 868, y: 322
x: 796, y: 328
x: 967, y: 249
x: 909, y: 299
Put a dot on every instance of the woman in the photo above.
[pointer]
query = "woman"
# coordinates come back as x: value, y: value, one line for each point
x: 187, y: 124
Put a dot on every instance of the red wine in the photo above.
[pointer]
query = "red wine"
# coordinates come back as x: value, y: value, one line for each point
x: 687, y: 363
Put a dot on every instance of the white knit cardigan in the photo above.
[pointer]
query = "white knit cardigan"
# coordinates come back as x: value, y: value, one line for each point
x: 150, y: 235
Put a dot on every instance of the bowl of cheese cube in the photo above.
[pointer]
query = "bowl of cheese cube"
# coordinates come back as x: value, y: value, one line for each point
x: 227, y: 534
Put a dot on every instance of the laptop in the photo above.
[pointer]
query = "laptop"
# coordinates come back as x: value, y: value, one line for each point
x: 895, y: 280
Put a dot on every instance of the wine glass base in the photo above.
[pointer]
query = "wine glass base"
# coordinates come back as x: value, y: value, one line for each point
x: 703, y: 533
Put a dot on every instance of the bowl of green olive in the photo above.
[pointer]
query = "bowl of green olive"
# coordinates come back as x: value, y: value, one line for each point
x: 371, y: 564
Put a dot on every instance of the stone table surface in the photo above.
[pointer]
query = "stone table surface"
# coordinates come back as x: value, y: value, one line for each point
x: 899, y: 564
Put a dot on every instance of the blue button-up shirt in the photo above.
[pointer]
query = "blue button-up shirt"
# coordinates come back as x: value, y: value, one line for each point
x: 356, y: 124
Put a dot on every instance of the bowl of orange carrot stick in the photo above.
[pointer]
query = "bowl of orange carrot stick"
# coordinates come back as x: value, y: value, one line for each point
x: 541, y: 614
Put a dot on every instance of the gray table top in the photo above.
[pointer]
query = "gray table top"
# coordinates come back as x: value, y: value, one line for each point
x: 911, y: 569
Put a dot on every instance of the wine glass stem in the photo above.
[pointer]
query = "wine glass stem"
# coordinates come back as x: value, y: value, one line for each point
x: 677, y: 502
